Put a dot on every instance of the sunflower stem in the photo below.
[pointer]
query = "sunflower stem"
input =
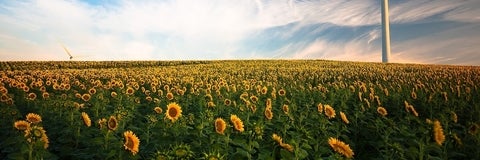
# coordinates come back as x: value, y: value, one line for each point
x: 30, y: 151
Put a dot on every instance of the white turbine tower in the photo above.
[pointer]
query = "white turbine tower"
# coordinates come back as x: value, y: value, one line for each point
x: 385, y: 32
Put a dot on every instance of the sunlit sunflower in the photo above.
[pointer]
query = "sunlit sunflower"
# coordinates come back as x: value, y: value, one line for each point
x: 320, y: 107
x: 344, y: 118
x: 86, y: 119
x: 285, y: 109
x: 438, y: 132
x: 158, y: 110
x: 264, y: 90
x: 34, y: 118
x: 277, y: 138
x: 382, y: 111
x: 36, y: 133
x: 130, y: 91
x: 340, y: 147
x: 286, y: 146
x: 45, y: 95
x: 102, y: 123
x: 227, y: 102
x: 211, y: 104
x: 237, y: 123
x: 329, y: 111
x: 113, y: 94
x: 174, y: 111
x: 220, y: 125
x: 112, y: 123
x: 268, y: 113
x: 169, y: 95
x: 86, y: 97
x: 132, y: 142
x: 254, y: 99
x: 21, y: 125
x: 281, y: 92
x: 92, y: 91
x: 31, y: 96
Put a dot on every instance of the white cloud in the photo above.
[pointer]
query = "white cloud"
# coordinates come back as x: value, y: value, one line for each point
x: 193, y: 29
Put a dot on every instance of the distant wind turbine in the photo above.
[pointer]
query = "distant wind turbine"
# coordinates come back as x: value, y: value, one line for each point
x: 70, y: 54
x: 385, y: 32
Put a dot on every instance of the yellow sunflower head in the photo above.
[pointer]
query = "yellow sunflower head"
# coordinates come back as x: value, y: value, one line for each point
x: 174, y: 111
x: 320, y: 107
x: 169, y: 95
x: 132, y: 143
x: 112, y: 123
x: 86, y: 119
x: 438, y: 132
x: 344, y: 118
x: 285, y: 109
x: 340, y: 147
x: 281, y: 92
x: 268, y: 113
x: 86, y: 97
x: 158, y: 110
x: 277, y: 138
x: 220, y: 125
x: 329, y: 111
x: 382, y: 111
x: 34, y: 118
x: 237, y: 123
x: 22, y: 125
x: 130, y: 91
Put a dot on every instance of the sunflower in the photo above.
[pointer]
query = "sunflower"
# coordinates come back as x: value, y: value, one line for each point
x: 169, y: 95
x: 112, y: 123
x: 34, y: 118
x: 45, y: 95
x: 174, y: 111
x: 21, y: 125
x: 268, y: 103
x: 268, y: 113
x: 159, y: 110
x: 101, y: 123
x: 92, y: 91
x: 382, y: 111
x: 86, y: 119
x: 340, y: 147
x: 285, y: 109
x: 211, y: 104
x: 113, y: 94
x: 237, y: 123
x: 31, y: 96
x: 227, y: 102
x: 281, y: 92
x: 329, y: 111
x: 286, y: 146
x: 438, y: 132
x: 264, y: 90
x: 132, y: 142
x: 220, y: 125
x: 254, y: 99
x: 130, y: 91
x: 454, y: 117
x: 277, y: 138
x: 35, y: 133
x: 344, y: 118
x: 320, y: 107
x: 86, y: 97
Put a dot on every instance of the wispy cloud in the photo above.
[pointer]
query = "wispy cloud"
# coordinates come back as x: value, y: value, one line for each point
x: 215, y: 29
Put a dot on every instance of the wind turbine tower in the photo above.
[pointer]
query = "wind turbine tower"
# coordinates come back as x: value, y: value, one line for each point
x: 385, y: 32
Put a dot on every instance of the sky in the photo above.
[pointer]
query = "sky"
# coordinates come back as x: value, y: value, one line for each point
x: 422, y: 31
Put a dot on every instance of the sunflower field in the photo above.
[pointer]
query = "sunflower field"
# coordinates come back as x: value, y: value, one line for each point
x: 241, y: 109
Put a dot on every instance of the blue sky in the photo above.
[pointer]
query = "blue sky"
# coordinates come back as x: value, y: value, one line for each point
x: 422, y: 31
